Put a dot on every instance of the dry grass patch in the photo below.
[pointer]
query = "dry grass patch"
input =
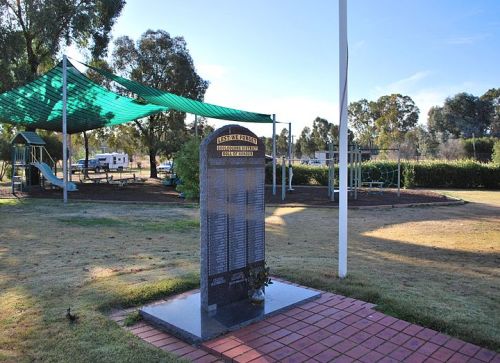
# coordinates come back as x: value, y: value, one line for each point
x: 438, y: 266
x: 434, y: 266
x: 90, y: 257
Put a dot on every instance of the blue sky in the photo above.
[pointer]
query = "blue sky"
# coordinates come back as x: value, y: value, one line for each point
x: 281, y: 56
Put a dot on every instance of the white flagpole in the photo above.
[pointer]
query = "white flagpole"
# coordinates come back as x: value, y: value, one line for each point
x: 343, y: 59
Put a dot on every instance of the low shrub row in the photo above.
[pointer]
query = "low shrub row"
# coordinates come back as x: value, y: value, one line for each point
x: 457, y: 174
x: 427, y: 174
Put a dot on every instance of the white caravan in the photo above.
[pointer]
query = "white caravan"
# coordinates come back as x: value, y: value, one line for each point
x: 112, y: 161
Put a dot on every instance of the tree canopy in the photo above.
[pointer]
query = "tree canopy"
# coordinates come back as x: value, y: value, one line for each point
x: 282, y: 143
x: 362, y: 121
x: 318, y: 138
x: 33, y: 32
x: 493, y: 97
x: 163, y: 62
x: 383, y: 123
x: 464, y: 115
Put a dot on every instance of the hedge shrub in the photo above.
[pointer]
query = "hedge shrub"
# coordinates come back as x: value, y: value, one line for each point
x: 457, y: 174
x: 496, y: 152
x: 426, y: 174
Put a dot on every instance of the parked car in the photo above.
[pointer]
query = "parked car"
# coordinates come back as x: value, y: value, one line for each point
x: 80, y: 165
x: 164, y: 167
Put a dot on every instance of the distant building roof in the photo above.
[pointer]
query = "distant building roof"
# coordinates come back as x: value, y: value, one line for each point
x: 28, y: 137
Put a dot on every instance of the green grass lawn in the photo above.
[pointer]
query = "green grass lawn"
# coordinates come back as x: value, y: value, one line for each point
x: 434, y: 266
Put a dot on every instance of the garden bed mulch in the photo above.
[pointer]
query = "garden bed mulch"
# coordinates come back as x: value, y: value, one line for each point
x: 153, y: 191
x: 318, y: 196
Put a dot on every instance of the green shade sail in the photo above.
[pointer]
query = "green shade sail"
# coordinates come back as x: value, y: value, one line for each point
x: 184, y: 104
x: 90, y: 106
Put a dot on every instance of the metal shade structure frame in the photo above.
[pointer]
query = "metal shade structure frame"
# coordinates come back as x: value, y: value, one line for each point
x: 65, y: 133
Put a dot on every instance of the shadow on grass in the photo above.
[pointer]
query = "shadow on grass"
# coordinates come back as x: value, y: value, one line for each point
x: 451, y: 290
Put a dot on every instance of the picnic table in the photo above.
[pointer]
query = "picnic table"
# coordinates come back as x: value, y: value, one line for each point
x: 374, y: 186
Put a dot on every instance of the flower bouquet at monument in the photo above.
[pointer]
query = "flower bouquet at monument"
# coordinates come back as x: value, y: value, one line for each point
x: 257, y: 279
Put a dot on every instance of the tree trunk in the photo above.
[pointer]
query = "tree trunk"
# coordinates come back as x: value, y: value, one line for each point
x: 3, y: 169
x: 86, y: 145
x: 152, y: 163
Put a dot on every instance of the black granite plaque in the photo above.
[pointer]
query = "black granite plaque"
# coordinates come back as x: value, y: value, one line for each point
x: 231, y: 213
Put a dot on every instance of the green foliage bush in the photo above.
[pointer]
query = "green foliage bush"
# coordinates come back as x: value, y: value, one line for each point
x: 496, y: 153
x: 408, y: 175
x: 187, y: 167
x: 302, y: 174
x: 426, y: 174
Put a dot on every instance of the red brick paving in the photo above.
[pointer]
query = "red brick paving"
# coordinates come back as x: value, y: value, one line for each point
x: 332, y: 328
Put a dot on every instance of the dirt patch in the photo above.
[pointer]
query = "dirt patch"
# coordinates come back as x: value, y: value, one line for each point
x: 154, y: 191
x: 318, y: 196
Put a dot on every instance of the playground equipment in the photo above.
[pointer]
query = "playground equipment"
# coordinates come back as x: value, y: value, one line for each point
x: 354, y: 171
x: 383, y: 176
x: 372, y: 180
x: 32, y: 164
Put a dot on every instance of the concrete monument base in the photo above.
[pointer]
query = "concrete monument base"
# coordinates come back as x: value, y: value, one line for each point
x: 183, y: 316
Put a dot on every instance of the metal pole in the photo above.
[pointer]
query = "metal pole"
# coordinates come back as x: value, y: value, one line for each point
x: 333, y: 177
x: 65, y: 131
x: 399, y: 171
x: 283, y: 178
x: 289, y: 144
x: 329, y: 163
x: 14, y: 174
x: 70, y: 156
x: 290, y: 171
x: 356, y: 178
x: 196, y: 126
x: 274, y: 154
x: 359, y: 168
x: 343, y: 150
x: 351, y: 171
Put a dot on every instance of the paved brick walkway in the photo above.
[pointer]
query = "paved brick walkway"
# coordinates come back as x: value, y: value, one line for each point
x: 166, y: 341
x: 331, y: 329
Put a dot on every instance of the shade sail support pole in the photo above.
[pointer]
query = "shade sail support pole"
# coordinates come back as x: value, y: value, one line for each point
x: 274, y: 154
x: 196, y: 126
x: 290, y: 170
x: 343, y: 144
x: 65, y: 130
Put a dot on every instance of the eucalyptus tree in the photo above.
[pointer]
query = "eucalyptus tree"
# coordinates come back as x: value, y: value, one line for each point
x: 362, y: 122
x: 493, y: 97
x: 163, y: 62
x: 395, y: 115
x: 282, y: 143
x: 305, y: 145
x: 383, y: 122
x: 33, y: 32
x: 462, y: 115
